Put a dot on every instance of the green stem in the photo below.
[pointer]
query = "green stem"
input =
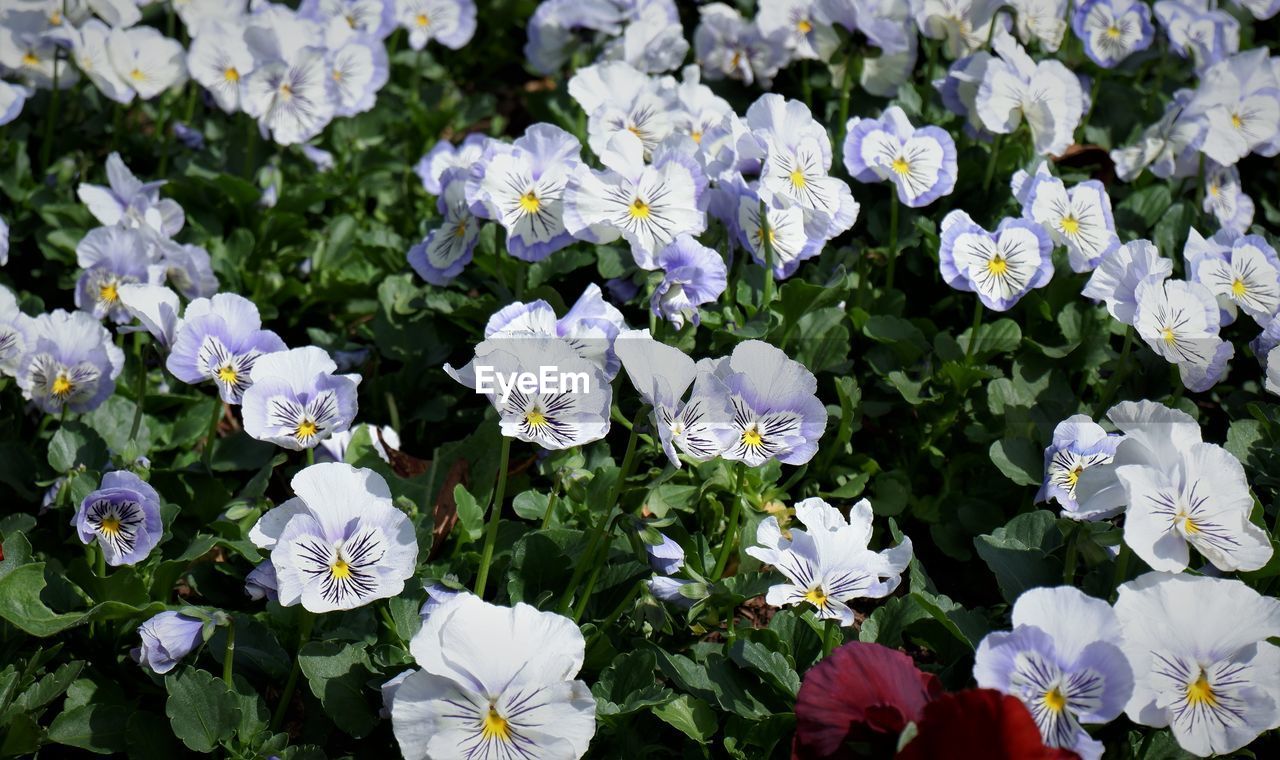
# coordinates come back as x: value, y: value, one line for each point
x: 1121, y: 569
x: 229, y: 655
x: 597, y: 532
x: 766, y: 241
x: 829, y: 635
x: 731, y: 530
x: 551, y: 502
x: 495, y: 514
x: 805, y: 87
x: 1122, y: 365
x: 893, y: 238
x: 991, y: 165
x: 304, y: 635
x: 852, y: 65
x: 47, y: 144
x: 101, y: 563
x: 140, y: 395
x: 1069, y: 562
x: 973, y: 334
x: 311, y: 456
x: 1200, y: 186
x: 212, y: 436
x: 117, y: 126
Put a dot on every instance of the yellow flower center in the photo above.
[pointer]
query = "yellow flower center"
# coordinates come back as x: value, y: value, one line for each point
x: 231, y: 74
x: 460, y: 230
x: 62, y: 386
x: 803, y: 26
x: 1213, y: 189
x: 797, y: 178
x: 1188, y: 524
x: 306, y: 429
x: 1113, y: 32
x: 228, y: 374
x: 494, y: 726
x: 1236, y: 121
x: 900, y: 166
x: 1070, y: 224
x: 816, y: 596
x: 1199, y: 692
x: 422, y: 20
x: 639, y: 209
x: 1055, y: 700
x: 751, y: 437
x: 696, y: 135
x: 55, y: 18
x: 997, y: 266
x: 337, y: 75
x: 1073, y: 477
x: 1238, y: 289
x: 30, y: 59
x: 735, y: 60
x: 137, y: 75
x: 1168, y: 336
x: 340, y: 570
x: 286, y: 90
x: 110, y: 525
x: 535, y: 418
x: 108, y: 293
x: 351, y: 21
x: 530, y: 203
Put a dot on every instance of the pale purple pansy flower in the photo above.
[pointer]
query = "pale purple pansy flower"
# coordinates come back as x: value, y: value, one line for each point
x: 112, y: 257
x: 619, y: 99
x: 667, y: 589
x: 589, y: 327
x: 291, y: 98
x: 15, y: 332
x: 89, y: 50
x: 652, y: 40
x: 389, y: 690
x: 358, y: 68
x: 122, y: 516
x: 130, y: 202
x: 334, y: 448
x: 1238, y: 102
x: 920, y: 162
x: 521, y: 186
x: 1078, y: 444
x: 1242, y: 271
x: 1196, y: 30
x: 692, y: 275
x: 296, y: 399
x: 70, y: 362
x: 375, y: 18
x: 666, y: 556
x: 1117, y: 277
x: 700, y: 427
x: 221, y: 62
x: 1226, y: 200
x: 447, y: 249
x: 189, y: 268
x: 963, y: 25
x: 803, y: 24
x: 556, y: 26
x: 728, y: 46
x: 1000, y: 267
x: 649, y: 205
x: 1078, y: 218
x: 146, y: 60
x: 1112, y: 30
x: 1180, y: 322
x: 1063, y: 660
x: 1170, y: 147
x: 794, y: 234
x: 321, y: 159
x: 444, y: 156
x: 190, y: 137
x: 12, y: 98
x: 959, y: 90
x: 1201, y: 659
x: 1043, y: 21
x: 828, y: 563
x: 340, y: 543
x: 156, y: 308
x: 1046, y: 94
x: 776, y: 412
x: 452, y: 23
x: 261, y: 582
x: 570, y: 410
x: 219, y: 340
x: 166, y: 639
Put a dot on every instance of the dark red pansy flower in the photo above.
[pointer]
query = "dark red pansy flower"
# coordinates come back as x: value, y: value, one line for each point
x: 862, y: 693
x: 979, y: 723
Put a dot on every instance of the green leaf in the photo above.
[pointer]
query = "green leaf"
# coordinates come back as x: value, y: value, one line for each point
x: 470, y: 514
x: 628, y: 685
x: 1018, y: 553
x: 201, y: 709
x: 531, y: 505
x: 999, y: 337
x: 145, y: 742
x: 337, y: 673
x: 690, y: 715
x: 95, y: 727
x: 75, y: 444
x: 21, y: 605
x: 776, y: 668
x: 1019, y: 460
x: 886, y: 624
x: 48, y: 688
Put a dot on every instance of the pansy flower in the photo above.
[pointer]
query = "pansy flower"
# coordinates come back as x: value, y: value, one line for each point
x: 261, y: 582
x: 1001, y: 266
x: 619, y: 99
x: 112, y: 257
x: 296, y: 400
x: 14, y: 332
x: 89, y: 49
x: 776, y: 414
x: 130, y: 202
x: 340, y: 543
x: 12, y: 98
x: 1238, y: 100
x: 648, y: 205
x: 375, y: 18
x: 1079, y: 218
x: 1180, y: 322
x: 122, y: 516
x: 692, y: 275
x: 1198, y: 500
x: 793, y: 235
x: 444, y: 156
x: 1246, y: 277
x: 798, y: 160
x: 828, y: 564
x: 1046, y: 94
x: 963, y: 25
x: 1063, y: 661
x: 665, y: 556
x: 495, y: 682
x: 1226, y: 200
x: 358, y: 68
x: 290, y: 98
x: 802, y: 23
x: 447, y: 249
x: 1043, y: 21
x: 1261, y: 9
x: 652, y: 40
x: 959, y: 90
x: 146, y: 60
x: 155, y: 307
x: 589, y: 327
x: 1197, y: 31
x: 545, y: 392
x: 189, y: 268
x: 449, y: 22
x: 1121, y: 271
x: 728, y: 46
x: 166, y: 638
x: 220, y: 61
x: 700, y: 426
x: 1170, y: 147
x: 1112, y: 30
x: 220, y: 339
x: 920, y: 162
x: 70, y: 363
x: 521, y: 186
x: 1078, y: 444
x: 1200, y: 652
